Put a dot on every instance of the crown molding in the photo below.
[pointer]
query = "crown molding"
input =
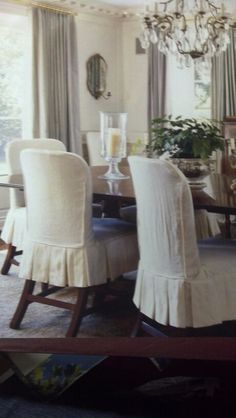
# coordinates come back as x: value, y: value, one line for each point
x: 95, y: 7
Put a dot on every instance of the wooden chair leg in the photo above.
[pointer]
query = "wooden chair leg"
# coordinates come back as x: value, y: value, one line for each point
x: 23, y: 304
x: 11, y: 251
x: 99, y: 296
x: 44, y: 287
x: 77, y: 311
x: 137, y: 330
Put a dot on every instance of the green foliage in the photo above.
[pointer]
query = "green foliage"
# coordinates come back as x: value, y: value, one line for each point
x: 135, y: 148
x: 184, y: 138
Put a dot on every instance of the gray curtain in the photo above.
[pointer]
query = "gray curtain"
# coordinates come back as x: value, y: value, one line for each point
x: 156, y: 83
x: 55, y: 78
x: 224, y: 81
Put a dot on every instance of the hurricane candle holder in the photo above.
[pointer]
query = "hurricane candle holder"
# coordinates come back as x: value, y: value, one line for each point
x: 113, y: 143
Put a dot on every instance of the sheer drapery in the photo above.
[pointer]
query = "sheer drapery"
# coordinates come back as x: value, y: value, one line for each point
x: 224, y: 81
x: 55, y: 78
x: 156, y: 83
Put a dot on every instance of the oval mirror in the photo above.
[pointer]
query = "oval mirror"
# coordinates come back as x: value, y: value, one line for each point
x: 96, y: 75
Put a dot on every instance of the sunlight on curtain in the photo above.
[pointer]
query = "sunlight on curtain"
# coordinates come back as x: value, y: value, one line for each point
x: 55, y: 78
x: 224, y: 82
x: 14, y: 77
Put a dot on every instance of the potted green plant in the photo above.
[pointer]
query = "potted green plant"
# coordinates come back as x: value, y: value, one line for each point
x: 183, y: 139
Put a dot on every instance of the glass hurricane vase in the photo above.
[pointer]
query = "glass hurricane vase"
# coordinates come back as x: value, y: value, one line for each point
x: 113, y: 143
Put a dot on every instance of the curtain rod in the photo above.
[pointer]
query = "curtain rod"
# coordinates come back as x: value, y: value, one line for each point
x: 45, y: 6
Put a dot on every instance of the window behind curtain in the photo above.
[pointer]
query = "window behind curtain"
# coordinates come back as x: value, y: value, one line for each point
x: 202, y: 95
x: 13, y: 37
x: 188, y: 91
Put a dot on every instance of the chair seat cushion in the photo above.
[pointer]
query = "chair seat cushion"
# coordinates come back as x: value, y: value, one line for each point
x: 111, y: 252
x: 120, y: 241
x: 129, y: 213
x: 14, y: 228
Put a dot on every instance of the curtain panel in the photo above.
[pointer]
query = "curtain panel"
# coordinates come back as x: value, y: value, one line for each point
x: 224, y: 81
x: 156, y: 83
x: 55, y: 78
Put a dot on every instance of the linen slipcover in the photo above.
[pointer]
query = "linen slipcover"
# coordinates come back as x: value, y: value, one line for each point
x: 15, y: 224
x: 64, y: 246
x: 175, y: 286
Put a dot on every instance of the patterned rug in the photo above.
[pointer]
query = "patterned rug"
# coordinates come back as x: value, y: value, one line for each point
x: 115, y: 318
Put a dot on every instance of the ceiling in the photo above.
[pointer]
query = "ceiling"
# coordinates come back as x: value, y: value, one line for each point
x: 118, y: 8
x: 115, y: 8
x: 124, y: 3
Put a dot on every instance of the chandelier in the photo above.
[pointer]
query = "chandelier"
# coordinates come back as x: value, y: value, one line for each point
x: 197, y: 35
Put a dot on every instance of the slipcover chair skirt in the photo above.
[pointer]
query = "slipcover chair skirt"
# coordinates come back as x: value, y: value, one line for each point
x: 64, y: 245
x: 15, y: 225
x: 175, y: 286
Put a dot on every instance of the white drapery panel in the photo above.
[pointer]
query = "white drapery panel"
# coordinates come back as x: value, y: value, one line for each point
x: 224, y: 81
x: 156, y: 83
x: 55, y: 78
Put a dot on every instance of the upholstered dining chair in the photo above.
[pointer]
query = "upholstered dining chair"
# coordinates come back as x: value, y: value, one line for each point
x: 93, y: 143
x: 178, y: 283
x: 14, y: 227
x: 64, y: 246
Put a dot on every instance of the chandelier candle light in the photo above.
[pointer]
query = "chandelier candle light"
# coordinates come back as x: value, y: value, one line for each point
x: 113, y: 142
x: 198, y: 34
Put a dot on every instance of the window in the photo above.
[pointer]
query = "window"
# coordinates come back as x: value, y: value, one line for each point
x: 202, y: 96
x: 12, y: 65
x: 188, y: 91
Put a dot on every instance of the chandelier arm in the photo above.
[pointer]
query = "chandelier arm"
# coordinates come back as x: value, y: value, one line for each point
x: 165, y: 4
x: 165, y: 20
x: 200, y: 40
x: 182, y: 5
x: 184, y: 28
x: 213, y: 6
x: 196, y: 18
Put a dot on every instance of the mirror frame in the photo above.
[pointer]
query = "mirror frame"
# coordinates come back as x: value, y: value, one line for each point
x: 96, y: 75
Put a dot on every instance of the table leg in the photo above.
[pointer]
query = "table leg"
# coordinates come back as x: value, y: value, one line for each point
x: 227, y: 226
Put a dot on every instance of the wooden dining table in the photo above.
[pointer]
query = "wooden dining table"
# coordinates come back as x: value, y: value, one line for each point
x: 216, y: 197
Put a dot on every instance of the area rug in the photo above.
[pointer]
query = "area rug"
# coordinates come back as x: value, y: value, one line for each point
x: 42, y: 321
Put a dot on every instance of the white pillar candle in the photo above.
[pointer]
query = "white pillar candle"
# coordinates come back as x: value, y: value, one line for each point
x: 113, y: 142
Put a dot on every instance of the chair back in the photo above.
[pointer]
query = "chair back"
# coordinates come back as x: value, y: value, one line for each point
x: 228, y: 165
x: 94, y: 149
x: 59, y: 198
x: 13, y: 150
x: 165, y: 220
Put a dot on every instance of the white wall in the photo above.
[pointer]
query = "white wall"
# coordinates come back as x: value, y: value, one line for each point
x: 135, y: 81
x: 99, y: 35
x: 114, y: 39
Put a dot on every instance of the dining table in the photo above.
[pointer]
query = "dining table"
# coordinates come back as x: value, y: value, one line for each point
x: 216, y: 194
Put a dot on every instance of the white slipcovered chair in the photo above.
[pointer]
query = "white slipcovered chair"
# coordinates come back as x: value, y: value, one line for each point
x: 93, y: 142
x: 175, y: 285
x: 64, y: 245
x: 14, y: 227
